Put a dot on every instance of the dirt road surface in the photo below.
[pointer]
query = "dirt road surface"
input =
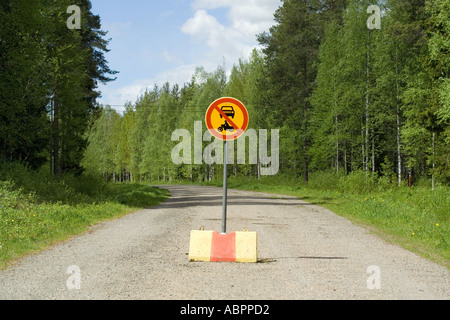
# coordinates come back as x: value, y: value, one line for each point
x: 304, y: 251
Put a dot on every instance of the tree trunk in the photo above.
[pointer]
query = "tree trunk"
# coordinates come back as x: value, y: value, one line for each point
x: 56, y: 159
x: 52, y: 157
x: 345, y: 158
x: 373, y: 152
x: 337, y: 129
x: 305, y: 126
x: 363, y: 145
x: 399, y: 148
x: 433, y: 163
x: 366, y: 140
x: 337, y: 148
x: 258, y: 169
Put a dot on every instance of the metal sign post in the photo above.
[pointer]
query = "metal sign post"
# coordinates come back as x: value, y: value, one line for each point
x: 227, y: 119
x: 225, y: 189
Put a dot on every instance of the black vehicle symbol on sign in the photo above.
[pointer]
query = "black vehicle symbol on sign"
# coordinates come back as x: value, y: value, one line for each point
x: 229, y: 111
x: 226, y: 126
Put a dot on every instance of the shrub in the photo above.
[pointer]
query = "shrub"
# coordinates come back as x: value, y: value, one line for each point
x: 358, y: 182
x: 323, y: 180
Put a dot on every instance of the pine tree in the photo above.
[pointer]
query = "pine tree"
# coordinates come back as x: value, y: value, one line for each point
x: 439, y: 61
x: 291, y: 50
x: 24, y: 127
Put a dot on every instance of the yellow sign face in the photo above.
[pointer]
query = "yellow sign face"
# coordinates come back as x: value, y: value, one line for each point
x: 227, y: 118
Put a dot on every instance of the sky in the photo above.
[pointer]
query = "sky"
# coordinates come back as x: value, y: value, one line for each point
x: 158, y: 41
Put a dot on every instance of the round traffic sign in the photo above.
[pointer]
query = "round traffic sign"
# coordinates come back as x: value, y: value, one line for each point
x: 227, y: 118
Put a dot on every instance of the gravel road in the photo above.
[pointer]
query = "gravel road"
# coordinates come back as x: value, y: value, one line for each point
x: 304, y: 251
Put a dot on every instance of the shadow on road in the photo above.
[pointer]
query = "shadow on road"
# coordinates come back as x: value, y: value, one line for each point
x: 183, y: 196
x: 269, y: 260
x: 213, y: 201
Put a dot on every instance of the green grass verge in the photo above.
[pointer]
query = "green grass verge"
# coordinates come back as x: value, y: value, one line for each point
x: 37, y: 211
x: 416, y: 219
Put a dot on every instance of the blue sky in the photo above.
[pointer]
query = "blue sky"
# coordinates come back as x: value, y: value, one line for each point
x: 155, y: 41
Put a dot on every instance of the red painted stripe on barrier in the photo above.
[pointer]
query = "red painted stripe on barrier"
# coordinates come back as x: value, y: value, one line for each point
x: 223, y: 247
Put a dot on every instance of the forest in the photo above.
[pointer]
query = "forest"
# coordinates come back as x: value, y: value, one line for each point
x: 48, y: 80
x: 346, y: 98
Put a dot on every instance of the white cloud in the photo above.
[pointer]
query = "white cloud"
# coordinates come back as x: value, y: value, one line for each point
x: 222, y: 41
x: 253, y: 17
x: 203, y: 27
x: 248, y: 17
x: 236, y: 39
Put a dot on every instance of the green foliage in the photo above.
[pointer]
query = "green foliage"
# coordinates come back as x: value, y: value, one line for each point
x: 37, y: 209
x: 48, y: 77
x: 138, y: 196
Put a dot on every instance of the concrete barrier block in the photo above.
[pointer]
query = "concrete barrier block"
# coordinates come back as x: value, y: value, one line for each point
x: 210, y: 246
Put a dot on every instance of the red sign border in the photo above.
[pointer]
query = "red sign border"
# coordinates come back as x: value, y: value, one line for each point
x: 214, y: 106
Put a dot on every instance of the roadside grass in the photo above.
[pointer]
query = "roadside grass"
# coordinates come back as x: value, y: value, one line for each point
x: 415, y: 218
x: 37, y: 211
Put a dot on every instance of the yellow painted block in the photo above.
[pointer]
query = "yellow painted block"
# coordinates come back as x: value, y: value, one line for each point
x: 246, y: 247
x: 200, y: 246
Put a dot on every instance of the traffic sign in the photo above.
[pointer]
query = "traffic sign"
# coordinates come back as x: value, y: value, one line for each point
x: 227, y: 118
